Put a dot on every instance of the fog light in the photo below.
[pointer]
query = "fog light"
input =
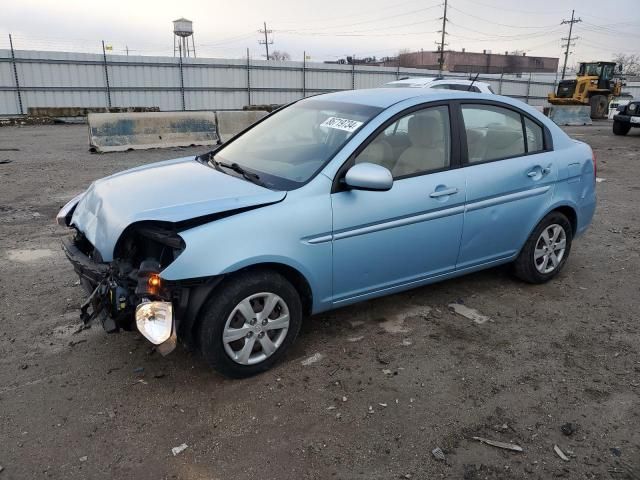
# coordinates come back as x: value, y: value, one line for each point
x: 154, y: 280
x: 155, y: 321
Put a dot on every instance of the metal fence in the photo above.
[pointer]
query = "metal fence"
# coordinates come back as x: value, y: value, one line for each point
x: 30, y: 78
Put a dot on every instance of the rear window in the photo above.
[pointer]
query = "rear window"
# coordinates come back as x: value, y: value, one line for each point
x: 495, y: 133
x: 492, y: 133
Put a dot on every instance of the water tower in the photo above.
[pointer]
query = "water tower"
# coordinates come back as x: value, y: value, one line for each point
x: 182, y: 32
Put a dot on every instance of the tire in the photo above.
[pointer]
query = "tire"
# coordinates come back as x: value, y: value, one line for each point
x: 598, y: 106
x: 620, y: 128
x: 529, y: 266
x: 222, y: 314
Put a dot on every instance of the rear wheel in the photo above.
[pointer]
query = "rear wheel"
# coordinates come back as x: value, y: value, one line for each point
x: 546, y: 250
x: 598, y: 106
x: 620, y: 128
x: 249, y: 323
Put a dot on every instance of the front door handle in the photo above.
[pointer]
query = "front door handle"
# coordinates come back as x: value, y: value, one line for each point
x: 532, y: 173
x: 443, y: 193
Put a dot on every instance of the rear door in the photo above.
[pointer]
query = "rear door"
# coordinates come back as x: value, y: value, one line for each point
x: 510, y: 174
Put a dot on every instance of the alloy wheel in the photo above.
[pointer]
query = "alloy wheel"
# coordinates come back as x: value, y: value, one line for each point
x: 256, y: 328
x: 550, y: 248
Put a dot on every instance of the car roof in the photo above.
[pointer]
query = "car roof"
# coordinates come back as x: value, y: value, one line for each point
x: 426, y: 81
x: 413, y: 81
x: 385, y: 97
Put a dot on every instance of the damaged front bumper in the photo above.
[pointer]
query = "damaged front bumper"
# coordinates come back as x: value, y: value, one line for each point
x: 122, y: 296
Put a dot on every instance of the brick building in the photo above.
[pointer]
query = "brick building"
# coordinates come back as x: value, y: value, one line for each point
x: 472, y: 62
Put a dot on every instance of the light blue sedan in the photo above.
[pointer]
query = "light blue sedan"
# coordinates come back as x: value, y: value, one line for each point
x: 333, y: 200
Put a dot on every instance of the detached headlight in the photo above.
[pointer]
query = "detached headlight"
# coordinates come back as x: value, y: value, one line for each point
x: 155, y: 321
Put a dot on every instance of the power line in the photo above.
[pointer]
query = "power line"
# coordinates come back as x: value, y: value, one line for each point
x: 497, y: 23
x: 349, y: 33
x: 374, y: 20
x: 266, y: 41
x: 568, y: 45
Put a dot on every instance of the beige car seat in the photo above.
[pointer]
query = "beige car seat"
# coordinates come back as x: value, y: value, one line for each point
x: 378, y: 152
x: 427, y: 150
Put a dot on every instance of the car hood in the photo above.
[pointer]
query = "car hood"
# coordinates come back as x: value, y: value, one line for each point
x: 170, y: 191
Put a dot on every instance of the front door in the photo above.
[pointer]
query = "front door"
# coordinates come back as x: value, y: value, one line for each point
x: 391, y: 240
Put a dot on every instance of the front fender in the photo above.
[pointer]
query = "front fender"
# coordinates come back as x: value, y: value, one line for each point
x: 276, y: 233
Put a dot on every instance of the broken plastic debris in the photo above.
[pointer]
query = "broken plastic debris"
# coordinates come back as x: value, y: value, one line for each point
x: 438, y: 453
x: 386, y: 371
x: 560, y: 453
x: 84, y: 459
x: 316, y: 357
x: 469, y: 313
x: 179, y: 449
x: 383, y: 405
x: 495, y: 443
x: 355, y: 339
x: 568, y: 428
x: 600, y: 179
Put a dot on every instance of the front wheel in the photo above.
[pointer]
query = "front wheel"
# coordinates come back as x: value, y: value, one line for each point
x: 249, y: 323
x: 620, y: 128
x: 546, y: 250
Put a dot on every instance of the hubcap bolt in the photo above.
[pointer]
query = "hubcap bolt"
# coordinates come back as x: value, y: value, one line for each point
x: 250, y: 334
x: 253, y: 321
x: 264, y: 322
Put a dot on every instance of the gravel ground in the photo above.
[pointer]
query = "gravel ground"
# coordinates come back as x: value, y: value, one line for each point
x: 397, y: 377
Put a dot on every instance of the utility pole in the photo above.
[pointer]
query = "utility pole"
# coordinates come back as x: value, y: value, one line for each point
x: 442, y: 44
x: 568, y: 39
x: 266, y: 41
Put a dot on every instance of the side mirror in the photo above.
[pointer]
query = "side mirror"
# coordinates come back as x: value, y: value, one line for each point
x: 369, y: 176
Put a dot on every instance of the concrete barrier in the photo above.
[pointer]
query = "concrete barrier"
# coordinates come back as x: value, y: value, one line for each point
x: 84, y: 111
x: 570, y: 114
x: 116, y: 132
x: 233, y: 122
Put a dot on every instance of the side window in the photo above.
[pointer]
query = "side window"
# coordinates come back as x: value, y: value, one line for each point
x: 492, y: 132
x: 419, y: 142
x: 535, y: 138
x: 442, y: 86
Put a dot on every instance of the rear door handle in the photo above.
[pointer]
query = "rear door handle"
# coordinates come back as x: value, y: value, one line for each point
x: 539, y: 171
x: 443, y: 193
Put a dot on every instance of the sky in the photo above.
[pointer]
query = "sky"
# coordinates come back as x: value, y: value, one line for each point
x: 325, y: 29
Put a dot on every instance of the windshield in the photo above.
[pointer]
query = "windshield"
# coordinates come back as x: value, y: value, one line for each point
x: 590, y: 69
x: 289, y: 147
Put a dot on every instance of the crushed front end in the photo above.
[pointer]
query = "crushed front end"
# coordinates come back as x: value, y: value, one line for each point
x: 128, y: 292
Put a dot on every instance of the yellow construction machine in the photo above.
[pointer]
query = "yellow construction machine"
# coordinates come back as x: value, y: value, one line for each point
x: 592, y: 90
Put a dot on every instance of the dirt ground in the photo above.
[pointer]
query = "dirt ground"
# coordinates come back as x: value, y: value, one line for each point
x: 397, y: 377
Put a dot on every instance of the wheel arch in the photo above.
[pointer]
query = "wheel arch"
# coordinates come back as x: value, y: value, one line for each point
x: 293, y: 275
x: 569, y: 211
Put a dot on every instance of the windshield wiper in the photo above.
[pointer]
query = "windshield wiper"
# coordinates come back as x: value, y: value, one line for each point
x: 252, y: 177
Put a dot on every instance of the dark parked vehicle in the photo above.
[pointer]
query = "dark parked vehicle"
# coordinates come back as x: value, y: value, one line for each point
x: 628, y: 116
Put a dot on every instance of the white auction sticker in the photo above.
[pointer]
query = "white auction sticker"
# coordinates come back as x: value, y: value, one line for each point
x: 341, y: 124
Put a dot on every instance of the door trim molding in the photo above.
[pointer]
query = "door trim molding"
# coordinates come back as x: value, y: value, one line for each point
x: 510, y: 197
x: 398, y: 222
